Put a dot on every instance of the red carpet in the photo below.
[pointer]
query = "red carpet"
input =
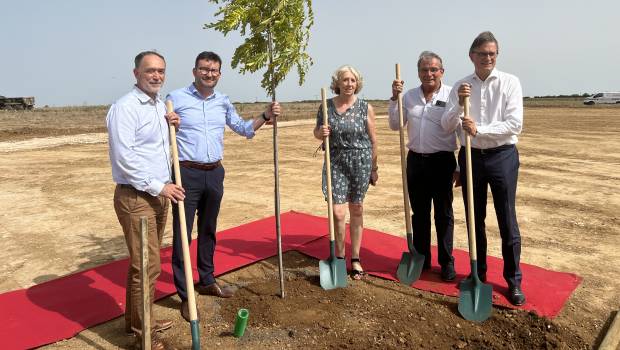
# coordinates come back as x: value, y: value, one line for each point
x: 61, y: 308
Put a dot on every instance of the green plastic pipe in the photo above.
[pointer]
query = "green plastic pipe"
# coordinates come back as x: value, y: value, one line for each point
x: 241, y: 322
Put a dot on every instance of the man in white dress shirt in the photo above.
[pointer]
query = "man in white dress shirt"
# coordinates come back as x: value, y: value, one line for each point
x: 140, y: 158
x: 430, y: 161
x: 496, y: 118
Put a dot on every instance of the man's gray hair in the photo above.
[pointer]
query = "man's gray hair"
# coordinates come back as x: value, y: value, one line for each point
x: 483, y: 38
x: 429, y: 55
x: 142, y: 54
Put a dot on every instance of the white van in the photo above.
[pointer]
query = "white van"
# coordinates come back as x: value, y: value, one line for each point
x: 603, y: 97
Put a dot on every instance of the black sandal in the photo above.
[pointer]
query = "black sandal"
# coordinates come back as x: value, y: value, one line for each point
x: 356, y: 274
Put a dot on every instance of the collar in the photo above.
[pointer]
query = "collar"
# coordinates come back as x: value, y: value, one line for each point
x: 143, y: 97
x: 494, y: 75
x: 192, y: 90
x: 433, y: 96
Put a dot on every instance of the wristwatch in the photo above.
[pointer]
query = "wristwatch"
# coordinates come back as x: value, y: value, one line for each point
x: 264, y: 116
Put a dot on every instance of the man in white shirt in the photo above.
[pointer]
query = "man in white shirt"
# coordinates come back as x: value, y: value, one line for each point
x: 496, y: 118
x: 140, y: 158
x: 430, y: 160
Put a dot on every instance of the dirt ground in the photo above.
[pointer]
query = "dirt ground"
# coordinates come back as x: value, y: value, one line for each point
x: 57, y: 218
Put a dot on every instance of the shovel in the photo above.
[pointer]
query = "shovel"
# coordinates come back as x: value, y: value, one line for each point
x: 475, y: 297
x: 411, y: 263
x: 333, y: 271
x: 187, y: 262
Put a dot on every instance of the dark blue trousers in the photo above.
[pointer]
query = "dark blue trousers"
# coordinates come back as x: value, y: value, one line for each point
x: 429, y: 179
x: 203, y: 194
x: 497, y: 168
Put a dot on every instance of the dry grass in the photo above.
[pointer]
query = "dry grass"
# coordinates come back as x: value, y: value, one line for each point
x: 20, y: 125
x: 298, y: 110
x: 58, y: 215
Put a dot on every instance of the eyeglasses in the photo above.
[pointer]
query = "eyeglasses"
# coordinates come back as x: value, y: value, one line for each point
x: 205, y: 70
x: 432, y: 70
x: 481, y: 54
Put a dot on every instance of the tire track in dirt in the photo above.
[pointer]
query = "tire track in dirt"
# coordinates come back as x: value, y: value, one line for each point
x: 48, y: 142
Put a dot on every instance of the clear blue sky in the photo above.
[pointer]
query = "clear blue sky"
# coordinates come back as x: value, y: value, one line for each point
x: 80, y: 52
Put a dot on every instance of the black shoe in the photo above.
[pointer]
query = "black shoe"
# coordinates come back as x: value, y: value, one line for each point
x: 516, y: 296
x: 447, y: 272
x: 482, y: 276
x: 355, y: 273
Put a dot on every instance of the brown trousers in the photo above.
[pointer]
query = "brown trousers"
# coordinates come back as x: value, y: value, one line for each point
x: 130, y: 205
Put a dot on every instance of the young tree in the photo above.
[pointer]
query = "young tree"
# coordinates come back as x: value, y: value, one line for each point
x: 277, y: 34
x: 287, y: 22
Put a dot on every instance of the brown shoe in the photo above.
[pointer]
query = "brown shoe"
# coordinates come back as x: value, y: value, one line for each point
x: 160, y: 326
x: 185, y: 311
x: 215, y: 290
x: 156, y: 343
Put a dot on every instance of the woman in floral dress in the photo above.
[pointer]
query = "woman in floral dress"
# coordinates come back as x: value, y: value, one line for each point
x: 353, y: 153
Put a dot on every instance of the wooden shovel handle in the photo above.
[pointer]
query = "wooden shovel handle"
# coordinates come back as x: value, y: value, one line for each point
x: 175, y: 149
x: 144, y: 283
x: 470, y: 190
x: 328, y: 169
x: 187, y: 262
x: 403, y: 157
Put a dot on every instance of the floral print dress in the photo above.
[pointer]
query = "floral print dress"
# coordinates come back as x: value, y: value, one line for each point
x: 350, y: 152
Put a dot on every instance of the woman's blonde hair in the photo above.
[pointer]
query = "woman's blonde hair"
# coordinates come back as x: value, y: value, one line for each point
x: 338, y: 74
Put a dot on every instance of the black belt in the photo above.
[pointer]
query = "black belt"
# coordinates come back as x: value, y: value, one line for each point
x: 491, y: 150
x: 432, y: 155
x: 201, y: 166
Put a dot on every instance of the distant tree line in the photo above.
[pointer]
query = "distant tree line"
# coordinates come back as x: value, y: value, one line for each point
x: 585, y: 94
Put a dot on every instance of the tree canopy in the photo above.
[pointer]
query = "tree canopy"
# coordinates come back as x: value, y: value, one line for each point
x: 288, y: 22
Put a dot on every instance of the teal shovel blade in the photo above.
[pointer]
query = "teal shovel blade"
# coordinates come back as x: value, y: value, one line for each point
x: 410, y: 267
x: 475, y: 299
x: 333, y: 273
x: 411, y: 264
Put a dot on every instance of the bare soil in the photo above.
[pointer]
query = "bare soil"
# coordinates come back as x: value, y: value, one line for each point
x: 57, y: 218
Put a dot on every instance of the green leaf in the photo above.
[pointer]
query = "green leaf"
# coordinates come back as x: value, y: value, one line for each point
x: 288, y: 21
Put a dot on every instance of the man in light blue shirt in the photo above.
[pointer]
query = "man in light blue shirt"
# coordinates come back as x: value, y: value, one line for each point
x: 205, y: 113
x: 140, y: 158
